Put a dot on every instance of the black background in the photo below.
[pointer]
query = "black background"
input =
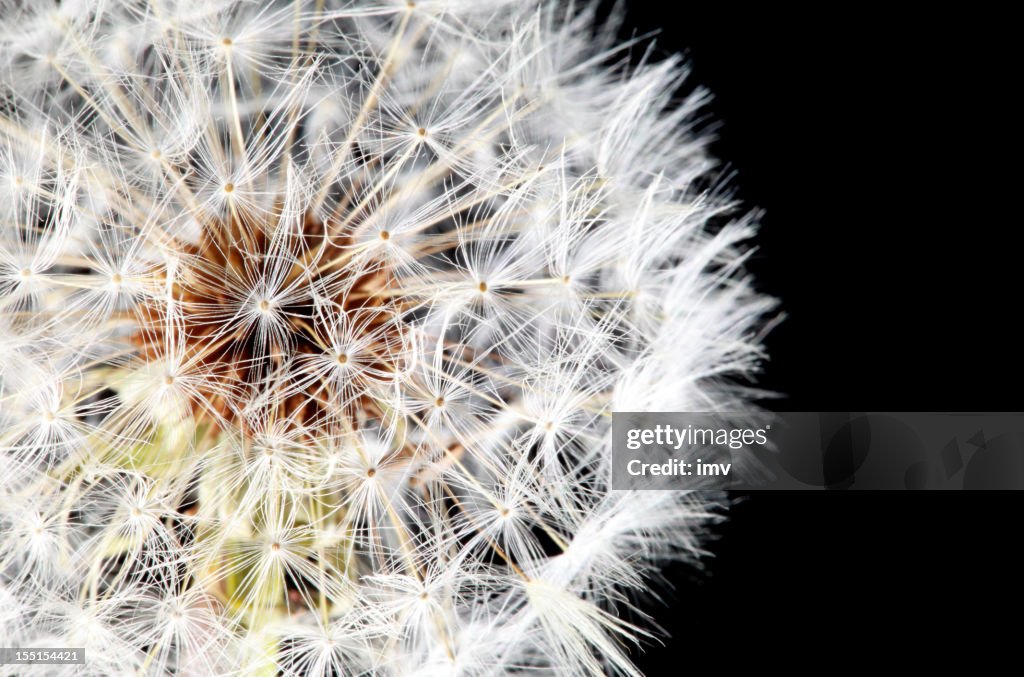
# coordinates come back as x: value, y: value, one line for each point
x: 871, y: 139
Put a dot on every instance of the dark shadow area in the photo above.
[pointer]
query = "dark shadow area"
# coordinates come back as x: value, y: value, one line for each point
x: 867, y: 137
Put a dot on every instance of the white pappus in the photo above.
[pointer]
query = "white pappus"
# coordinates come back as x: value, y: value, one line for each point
x: 312, y: 319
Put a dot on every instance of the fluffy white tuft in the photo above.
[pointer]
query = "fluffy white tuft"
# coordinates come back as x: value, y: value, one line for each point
x: 312, y: 317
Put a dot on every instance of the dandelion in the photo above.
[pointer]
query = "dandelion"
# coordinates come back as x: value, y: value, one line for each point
x: 312, y: 318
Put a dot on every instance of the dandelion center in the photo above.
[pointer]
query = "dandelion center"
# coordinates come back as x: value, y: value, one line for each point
x: 243, y: 360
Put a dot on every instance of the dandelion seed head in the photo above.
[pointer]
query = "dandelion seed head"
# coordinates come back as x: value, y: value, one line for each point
x: 312, y: 318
